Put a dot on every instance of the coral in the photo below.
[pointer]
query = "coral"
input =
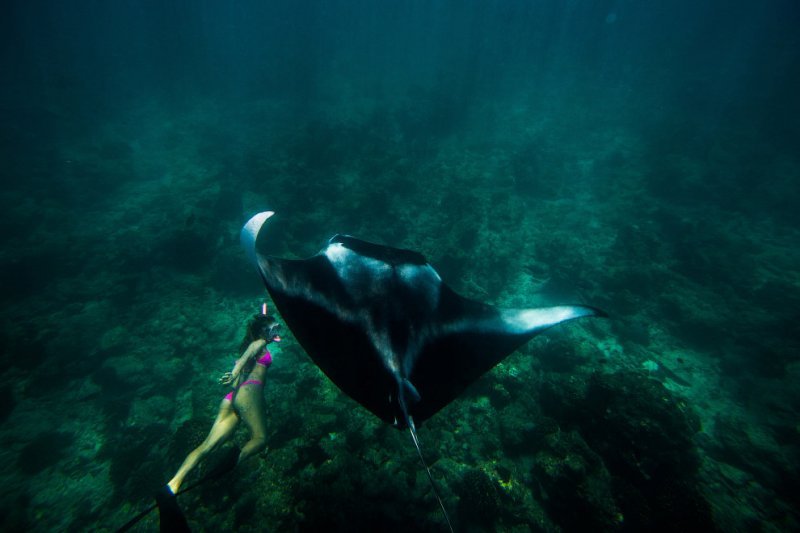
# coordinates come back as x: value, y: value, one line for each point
x: 43, y: 451
x: 7, y: 403
x: 479, y: 501
x: 559, y: 354
x: 574, y: 484
x: 138, y: 463
x: 643, y: 435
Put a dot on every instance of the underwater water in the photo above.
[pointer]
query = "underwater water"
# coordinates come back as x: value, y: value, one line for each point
x: 641, y: 157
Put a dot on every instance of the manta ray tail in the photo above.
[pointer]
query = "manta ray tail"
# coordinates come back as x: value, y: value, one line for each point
x: 413, y: 431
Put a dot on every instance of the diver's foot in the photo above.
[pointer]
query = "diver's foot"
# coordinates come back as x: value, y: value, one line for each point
x: 165, y: 495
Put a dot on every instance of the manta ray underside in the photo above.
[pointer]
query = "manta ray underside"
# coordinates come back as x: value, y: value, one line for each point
x: 381, y: 324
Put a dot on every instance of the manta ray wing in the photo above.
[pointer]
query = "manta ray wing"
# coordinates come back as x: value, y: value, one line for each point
x: 473, y: 337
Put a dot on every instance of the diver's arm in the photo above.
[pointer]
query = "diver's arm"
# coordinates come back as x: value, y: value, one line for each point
x: 252, y: 350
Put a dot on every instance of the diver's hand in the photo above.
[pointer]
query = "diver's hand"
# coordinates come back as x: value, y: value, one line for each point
x: 226, y: 378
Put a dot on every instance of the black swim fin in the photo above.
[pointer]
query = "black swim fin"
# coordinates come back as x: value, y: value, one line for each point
x: 171, y: 519
x: 166, y: 503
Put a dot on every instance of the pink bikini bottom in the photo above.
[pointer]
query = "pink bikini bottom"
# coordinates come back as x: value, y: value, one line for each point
x: 229, y: 396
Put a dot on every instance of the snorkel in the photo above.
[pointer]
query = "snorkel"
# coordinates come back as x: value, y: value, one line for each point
x: 272, y: 335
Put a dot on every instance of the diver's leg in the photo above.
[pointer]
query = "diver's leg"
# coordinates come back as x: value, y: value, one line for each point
x: 252, y: 408
x: 222, y: 429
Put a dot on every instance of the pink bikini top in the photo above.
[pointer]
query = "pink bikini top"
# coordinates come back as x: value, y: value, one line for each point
x: 265, y: 360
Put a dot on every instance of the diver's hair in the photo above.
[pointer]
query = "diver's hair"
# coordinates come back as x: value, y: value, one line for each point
x: 257, y: 328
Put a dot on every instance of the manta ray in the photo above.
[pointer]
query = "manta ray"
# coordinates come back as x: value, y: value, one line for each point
x: 384, y: 327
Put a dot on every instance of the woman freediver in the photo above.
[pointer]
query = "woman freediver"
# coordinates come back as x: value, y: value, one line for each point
x: 244, y: 402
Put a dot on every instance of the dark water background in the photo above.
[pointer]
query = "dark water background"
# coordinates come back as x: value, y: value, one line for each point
x: 638, y: 156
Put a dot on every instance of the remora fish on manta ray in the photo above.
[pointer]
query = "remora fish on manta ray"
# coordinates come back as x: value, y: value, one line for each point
x: 381, y: 324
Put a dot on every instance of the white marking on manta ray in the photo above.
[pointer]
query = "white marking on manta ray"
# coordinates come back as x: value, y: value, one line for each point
x: 366, y: 275
x: 367, y: 278
x: 525, y: 320
x: 425, y: 281
x: 514, y: 321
